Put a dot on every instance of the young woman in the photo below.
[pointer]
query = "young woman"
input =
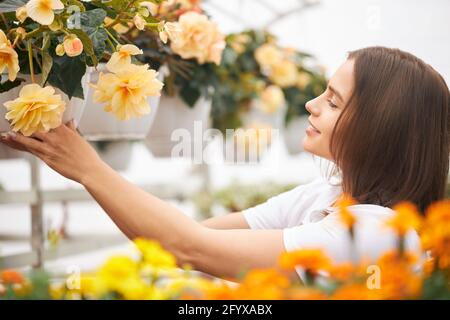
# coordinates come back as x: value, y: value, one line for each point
x: 383, y: 121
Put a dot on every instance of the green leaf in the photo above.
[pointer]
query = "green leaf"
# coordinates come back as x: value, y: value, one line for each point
x: 8, y: 85
x: 47, y: 64
x: 66, y: 75
x: 91, y: 22
x: 11, y: 5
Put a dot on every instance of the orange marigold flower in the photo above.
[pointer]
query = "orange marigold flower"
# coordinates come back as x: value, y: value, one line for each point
x: 345, y: 215
x: 354, y: 291
x: 10, y: 276
x: 312, y: 260
x: 435, y: 233
x: 406, y: 217
x: 305, y: 294
x: 342, y: 272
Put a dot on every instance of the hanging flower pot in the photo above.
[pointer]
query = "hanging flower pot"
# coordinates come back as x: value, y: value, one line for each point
x: 294, y: 134
x: 250, y: 143
x: 110, y: 127
x: 174, y: 114
x: 73, y: 108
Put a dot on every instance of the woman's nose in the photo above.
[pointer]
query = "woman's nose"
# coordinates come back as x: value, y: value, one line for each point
x: 311, y: 107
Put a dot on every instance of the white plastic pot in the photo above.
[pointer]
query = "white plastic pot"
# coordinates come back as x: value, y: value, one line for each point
x: 98, y: 125
x: 174, y: 114
x: 294, y: 134
x: 74, y: 107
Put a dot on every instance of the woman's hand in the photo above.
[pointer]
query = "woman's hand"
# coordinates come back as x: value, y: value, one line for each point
x: 62, y: 149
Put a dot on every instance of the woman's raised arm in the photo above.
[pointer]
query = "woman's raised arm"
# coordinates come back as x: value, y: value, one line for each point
x: 223, y: 253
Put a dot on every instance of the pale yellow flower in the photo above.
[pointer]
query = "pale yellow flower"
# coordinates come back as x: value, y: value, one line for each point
x: 272, y: 99
x: 41, y: 11
x: 139, y: 22
x: 284, y: 74
x: 268, y: 56
x: 169, y: 31
x: 303, y: 80
x: 126, y: 91
x: 122, y: 58
x: 21, y: 14
x: 8, y: 57
x: 72, y: 45
x: 36, y: 109
x: 199, y: 38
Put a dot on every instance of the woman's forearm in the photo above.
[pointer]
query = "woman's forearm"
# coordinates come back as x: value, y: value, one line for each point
x: 139, y: 214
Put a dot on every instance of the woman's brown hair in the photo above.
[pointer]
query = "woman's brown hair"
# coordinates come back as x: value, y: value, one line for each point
x: 391, y: 141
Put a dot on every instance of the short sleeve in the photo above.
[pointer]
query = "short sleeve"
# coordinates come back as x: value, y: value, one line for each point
x: 280, y: 211
x: 372, y: 237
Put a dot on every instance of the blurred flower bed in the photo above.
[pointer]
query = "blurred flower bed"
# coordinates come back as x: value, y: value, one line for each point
x: 153, y: 273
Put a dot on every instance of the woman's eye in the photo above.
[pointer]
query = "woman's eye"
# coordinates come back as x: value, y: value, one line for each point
x: 332, y: 104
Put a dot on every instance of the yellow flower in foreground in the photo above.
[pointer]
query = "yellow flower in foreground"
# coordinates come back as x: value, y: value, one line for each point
x: 268, y: 55
x: 41, y: 11
x: 199, y: 38
x: 8, y: 57
x: 154, y: 255
x: 406, y: 218
x: 435, y: 234
x: 122, y: 58
x: 126, y: 92
x: 272, y: 99
x: 36, y: 109
x: 312, y: 260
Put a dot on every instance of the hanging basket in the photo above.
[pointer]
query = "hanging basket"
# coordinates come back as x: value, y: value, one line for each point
x: 174, y: 114
x: 117, y: 154
x: 98, y: 125
x: 74, y: 107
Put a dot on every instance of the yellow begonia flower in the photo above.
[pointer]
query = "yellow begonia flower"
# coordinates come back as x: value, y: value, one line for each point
x: 199, y: 39
x: 8, y: 57
x: 169, y: 30
x: 36, y: 109
x: 284, y: 74
x: 272, y: 99
x: 122, y: 58
x: 41, y: 11
x: 268, y: 55
x: 126, y: 91
x: 139, y: 22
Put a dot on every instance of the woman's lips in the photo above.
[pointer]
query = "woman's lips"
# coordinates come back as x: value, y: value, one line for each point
x: 311, y: 129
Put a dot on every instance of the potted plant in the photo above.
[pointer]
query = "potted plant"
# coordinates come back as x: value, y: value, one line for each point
x: 261, y: 81
x: 47, y: 47
x: 188, y: 48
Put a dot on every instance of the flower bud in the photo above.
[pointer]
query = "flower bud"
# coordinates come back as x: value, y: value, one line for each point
x: 21, y: 14
x: 73, y: 45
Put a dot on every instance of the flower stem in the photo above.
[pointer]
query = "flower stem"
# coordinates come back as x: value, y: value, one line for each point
x: 111, y: 36
x: 30, y: 59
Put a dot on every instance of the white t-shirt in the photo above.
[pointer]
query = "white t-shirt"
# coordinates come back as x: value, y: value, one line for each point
x: 299, y: 213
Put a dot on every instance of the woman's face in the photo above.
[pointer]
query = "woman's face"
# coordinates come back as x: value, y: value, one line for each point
x: 325, y: 110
